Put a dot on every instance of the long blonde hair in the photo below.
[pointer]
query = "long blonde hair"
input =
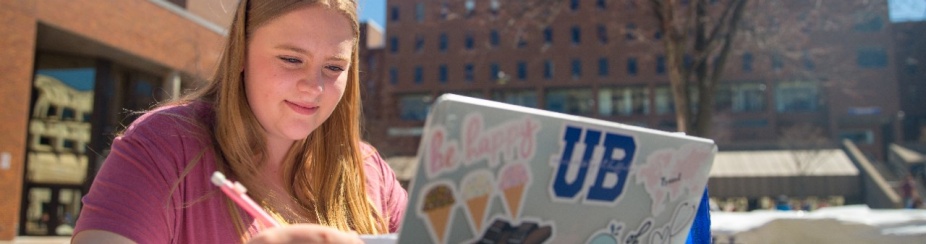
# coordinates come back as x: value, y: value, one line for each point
x: 323, y: 172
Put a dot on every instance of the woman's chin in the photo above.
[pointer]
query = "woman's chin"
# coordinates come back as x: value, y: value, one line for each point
x: 299, y: 135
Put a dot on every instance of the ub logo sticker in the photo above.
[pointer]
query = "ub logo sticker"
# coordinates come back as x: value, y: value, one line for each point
x: 605, y: 156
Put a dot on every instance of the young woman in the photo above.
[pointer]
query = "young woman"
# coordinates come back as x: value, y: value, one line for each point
x: 281, y: 116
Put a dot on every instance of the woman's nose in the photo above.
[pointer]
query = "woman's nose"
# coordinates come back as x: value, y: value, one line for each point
x: 312, y: 82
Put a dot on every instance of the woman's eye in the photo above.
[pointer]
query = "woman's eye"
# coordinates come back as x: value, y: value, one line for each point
x: 335, y: 68
x: 291, y: 60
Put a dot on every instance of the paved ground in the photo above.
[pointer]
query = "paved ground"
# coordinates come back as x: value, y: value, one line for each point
x: 38, y: 240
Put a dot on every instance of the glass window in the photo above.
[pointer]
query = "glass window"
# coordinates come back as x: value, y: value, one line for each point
x: 394, y: 14
x: 807, y: 60
x: 419, y: 11
x: 575, y: 101
x: 723, y: 98
x: 603, y: 67
x: 414, y: 107
x: 394, y: 44
x: 144, y: 91
x: 469, y: 41
x: 740, y: 97
x: 869, y: 22
x: 468, y: 72
x: 747, y: 61
x: 661, y: 65
x: 494, y: 72
x: 796, y: 96
x: 69, y: 205
x: 522, y: 70
x: 493, y: 38
x: 574, y: 4
x: 688, y: 61
x: 632, y: 66
x: 576, y: 68
x: 548, y: 69
x: 547, y: 35
x: 419, y: 75
x: 602, y: 4
x: 419, y: 43
x: 470, y: 5
x: 442, y: 42
x: 871, y: 57
x: 777, y: 63
x: 442, y: 73
x: 576, y: 35
x: 623, y: 101
x: 664, y: 103
x: 62, y: 106
x: 527, y: 98
x: 38, y: 212
x: 494, y: 6
x: 393, y: 76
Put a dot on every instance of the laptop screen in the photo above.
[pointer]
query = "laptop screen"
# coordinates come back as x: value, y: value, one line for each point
x: 497, y: 173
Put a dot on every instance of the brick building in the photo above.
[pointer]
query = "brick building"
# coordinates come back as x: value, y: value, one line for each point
x: 911, y: 74
x: 71, y: 72
x: 372, y: 47
x: 603, y: 59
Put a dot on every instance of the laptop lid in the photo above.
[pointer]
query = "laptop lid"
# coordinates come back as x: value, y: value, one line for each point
x: 491, y: 172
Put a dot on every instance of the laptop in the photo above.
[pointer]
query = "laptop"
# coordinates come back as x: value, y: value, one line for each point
x: 492, y: 172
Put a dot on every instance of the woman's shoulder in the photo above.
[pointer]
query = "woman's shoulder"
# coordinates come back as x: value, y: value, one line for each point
x: 369, y: 154
x: 372, y: 159
x: 175, y: 118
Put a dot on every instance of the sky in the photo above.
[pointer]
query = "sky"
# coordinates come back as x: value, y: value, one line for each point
x: 900, y: 11
x: 907, y: 10
x: 375, y: 10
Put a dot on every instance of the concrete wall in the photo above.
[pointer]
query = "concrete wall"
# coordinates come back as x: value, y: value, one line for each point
x: 876, y: 192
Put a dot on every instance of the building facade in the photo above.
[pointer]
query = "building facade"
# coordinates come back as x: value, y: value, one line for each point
x: 372, y: 54
x: 605, y: 60
x: 911, y: 74
x: 75, y: 73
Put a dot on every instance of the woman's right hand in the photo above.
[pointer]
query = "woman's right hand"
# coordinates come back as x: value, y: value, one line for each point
x: 305, y: 233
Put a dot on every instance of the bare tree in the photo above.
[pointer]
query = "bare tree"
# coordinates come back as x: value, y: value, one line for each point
x: 708, y: 38
x: 806, y: 143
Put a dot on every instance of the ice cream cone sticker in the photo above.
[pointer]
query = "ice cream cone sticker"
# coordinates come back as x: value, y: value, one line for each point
x: 513, y: 181
x: 437, y: 209
x: 476, y: 189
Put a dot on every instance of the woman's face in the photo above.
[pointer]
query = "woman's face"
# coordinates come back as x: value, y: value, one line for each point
x: 296, y: 71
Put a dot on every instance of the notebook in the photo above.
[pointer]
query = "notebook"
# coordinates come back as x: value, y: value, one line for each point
x: 491, y: 172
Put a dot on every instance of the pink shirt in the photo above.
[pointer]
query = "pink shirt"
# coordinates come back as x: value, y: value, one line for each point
x: 131, y: 195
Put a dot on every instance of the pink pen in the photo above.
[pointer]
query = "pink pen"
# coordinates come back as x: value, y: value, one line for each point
x: 236, y: 192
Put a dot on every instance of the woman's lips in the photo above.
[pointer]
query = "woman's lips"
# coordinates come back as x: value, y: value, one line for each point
x: 302, y: 108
